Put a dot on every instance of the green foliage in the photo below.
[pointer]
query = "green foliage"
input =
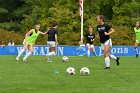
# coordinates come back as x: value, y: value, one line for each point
x: 125, y: 11
x: 10, y: 26
x: 69, y: 38
x: 6, y: 36
x: 126, y: 8
x: 123, y: 35
x: 3, y: 11
x: 21, y: 15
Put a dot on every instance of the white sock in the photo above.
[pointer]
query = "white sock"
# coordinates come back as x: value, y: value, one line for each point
x: 51, y: 54
x: 49, y: 58
x: 136, y: 50
x: 88, y: 52
x: 107, y: 61
x: 113, y: 57
x: 21, y: 52
x: 27, y: 55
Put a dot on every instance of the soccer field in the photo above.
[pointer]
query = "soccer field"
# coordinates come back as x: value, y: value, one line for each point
x: 38, y: 76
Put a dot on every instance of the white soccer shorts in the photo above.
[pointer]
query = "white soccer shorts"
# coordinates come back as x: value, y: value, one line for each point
x: 91, y: 46
x: 108, y: 42
x: 51, y: 43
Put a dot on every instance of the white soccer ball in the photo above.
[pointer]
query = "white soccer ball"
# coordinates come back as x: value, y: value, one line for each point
x: 70, y: 70
x: 84, y: 71
x: 65, y: 59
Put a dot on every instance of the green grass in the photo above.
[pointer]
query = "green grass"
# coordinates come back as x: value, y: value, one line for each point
x: 38, y: 76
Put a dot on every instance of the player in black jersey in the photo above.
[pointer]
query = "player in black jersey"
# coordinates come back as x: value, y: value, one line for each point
x: 89, y: 41
x: 104, y: 31
x: 52, y: 40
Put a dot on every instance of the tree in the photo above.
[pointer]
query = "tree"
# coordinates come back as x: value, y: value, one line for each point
x: 21, y: 15
x: 124, y: 11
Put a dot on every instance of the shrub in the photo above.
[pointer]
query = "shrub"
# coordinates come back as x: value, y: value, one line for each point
x: 6, y: 36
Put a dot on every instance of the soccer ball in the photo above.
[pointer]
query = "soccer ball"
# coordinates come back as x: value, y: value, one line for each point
x: 70, y: 70
x: 84, y: 71
x: 65, y: 59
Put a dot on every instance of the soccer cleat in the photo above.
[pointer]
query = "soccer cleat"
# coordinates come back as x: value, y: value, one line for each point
x: 47, y: 57
x: 107, y: 68
x: 49, y: 61
x: 117, y: 61
x: 17, y: 58
x: 137, y: 55
x: 24, y: 60
x: 95, y: 54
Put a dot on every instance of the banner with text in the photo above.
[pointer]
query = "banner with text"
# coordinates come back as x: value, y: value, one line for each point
x: 69, y: 50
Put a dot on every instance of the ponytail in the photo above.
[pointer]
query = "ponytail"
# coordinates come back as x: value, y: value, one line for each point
x: 102, y: 17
